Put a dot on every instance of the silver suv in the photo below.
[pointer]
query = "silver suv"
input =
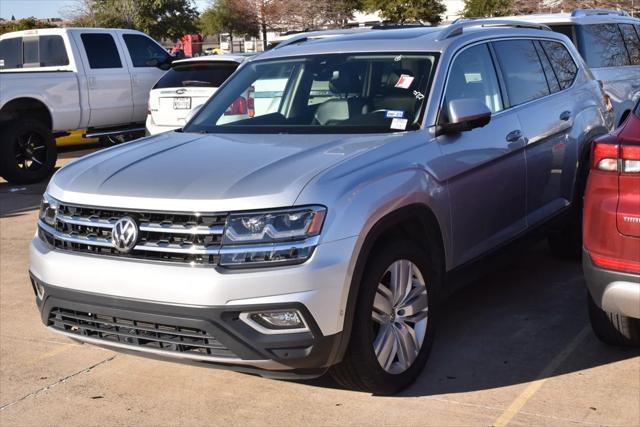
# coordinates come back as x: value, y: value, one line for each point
x: 321, y: 231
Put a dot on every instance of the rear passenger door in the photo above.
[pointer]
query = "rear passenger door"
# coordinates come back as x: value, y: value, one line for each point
x: 485, y: 167
x: 538, y: 76
x: 107, y: 79
x: 147, y: 61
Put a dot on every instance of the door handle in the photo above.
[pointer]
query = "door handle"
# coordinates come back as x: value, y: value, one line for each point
x: 565, y: 115
x: 514, y: 135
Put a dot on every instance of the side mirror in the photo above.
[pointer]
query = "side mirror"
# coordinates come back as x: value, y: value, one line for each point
x: 192, y: 113
x: 464, y: 115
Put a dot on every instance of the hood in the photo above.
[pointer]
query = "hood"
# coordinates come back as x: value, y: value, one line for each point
x: 206, y: 173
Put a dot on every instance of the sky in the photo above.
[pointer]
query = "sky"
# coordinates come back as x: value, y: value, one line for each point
x: 48, y: 8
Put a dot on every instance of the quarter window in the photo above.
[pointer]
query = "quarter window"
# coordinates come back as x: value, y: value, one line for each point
x: 632, y: 42
x: 549, y: 74
x: 144, y: 52
x: 601, y: 45
x: 522, y: 70
x: 561, y: 61
x: 101, y: 50
x: 473, y: 76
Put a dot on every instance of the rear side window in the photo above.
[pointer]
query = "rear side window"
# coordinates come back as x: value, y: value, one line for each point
x: 144, y: 52
x: 632, y: 42
x: 37, y: 51
x: 101, y: 50
x: 522, y: 70
x: 561, y: 62
x: 204, y: 74
x: 601, y: 45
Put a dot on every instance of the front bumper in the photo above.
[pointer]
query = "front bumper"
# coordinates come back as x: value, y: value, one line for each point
x: 613, y: 291
x: 207, y: 299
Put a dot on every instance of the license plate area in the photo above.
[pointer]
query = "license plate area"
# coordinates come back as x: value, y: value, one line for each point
x: 182, y: 103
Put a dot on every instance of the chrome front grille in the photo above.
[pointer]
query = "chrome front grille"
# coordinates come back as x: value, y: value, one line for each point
x: 188, y: 238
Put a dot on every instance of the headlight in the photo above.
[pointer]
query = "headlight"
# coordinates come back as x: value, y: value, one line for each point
x: 48, y: 209
x: 275, y: 226
x: 271, y: 238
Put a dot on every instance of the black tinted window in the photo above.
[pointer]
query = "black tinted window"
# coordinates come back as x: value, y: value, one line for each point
x: 632, y: 42
x: 144, y: 52
x: 101, y: 50
x: 473, y: 76
x: 567, y: 30
x: 523, y: 73
x: 601, y: 45
x: 549, y: 74
x: 561, y: 61
x: 52, y: 51
x: 205, y: 74
x: 11, y: 53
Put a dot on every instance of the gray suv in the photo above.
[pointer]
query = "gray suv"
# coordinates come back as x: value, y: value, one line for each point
x: 318, y: 230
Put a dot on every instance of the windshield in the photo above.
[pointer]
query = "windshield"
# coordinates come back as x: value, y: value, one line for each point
x: 207, y: 74
x: 335, y: 93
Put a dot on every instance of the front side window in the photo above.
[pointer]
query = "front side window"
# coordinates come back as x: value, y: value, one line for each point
x: 601, y: 45
x: 522, y: 70
x: 332, y: 93
x: 632, y: 42
x: 101, y: 50
x: 561, y: 62
x: 203, y: 74
x: 473, y: 76
x: 144, y: 52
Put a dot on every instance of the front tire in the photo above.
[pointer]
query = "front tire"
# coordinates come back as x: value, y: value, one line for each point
x: 614, y: 329
x: 393, y: 325
x: 28, y: 151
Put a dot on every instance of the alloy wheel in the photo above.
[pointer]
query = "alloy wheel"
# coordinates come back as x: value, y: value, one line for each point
x: 31, y: 152
x: 400, y: 315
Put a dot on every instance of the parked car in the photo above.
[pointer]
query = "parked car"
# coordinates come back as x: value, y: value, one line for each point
x: 609, y: 41
x: 321, y: 235
x: 60, y: 79
x: 611, y: 256
x: 188, y: 84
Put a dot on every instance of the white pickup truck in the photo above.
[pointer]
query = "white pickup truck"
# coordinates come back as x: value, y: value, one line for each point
x: 56, y: 80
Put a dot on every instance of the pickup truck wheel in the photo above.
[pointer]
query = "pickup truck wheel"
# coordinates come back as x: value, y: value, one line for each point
x: 393, y: 324
x: 613, y: 328
x: 27, y: 151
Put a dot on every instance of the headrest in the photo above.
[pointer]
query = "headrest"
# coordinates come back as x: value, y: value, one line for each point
x: 345, y: 80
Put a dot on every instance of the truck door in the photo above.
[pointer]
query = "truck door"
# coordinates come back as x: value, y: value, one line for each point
x: 108, y: 80
x: 147, y: 61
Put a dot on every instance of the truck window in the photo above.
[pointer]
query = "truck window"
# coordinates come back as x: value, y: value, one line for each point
x: 36, y: 51
x: 101, y: 50
x: 144, y: 52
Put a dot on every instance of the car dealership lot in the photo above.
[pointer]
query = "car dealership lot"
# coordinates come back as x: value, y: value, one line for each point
x: 515, y: 347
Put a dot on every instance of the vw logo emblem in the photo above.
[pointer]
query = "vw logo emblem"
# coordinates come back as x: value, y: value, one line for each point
x: 125, y: 234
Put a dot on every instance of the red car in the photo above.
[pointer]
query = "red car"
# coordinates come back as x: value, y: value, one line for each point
x: 611, y: 229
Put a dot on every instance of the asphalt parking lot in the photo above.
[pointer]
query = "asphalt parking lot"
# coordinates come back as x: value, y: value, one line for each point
x: 513, y: 348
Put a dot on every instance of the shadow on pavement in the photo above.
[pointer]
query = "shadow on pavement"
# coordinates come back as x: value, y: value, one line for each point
x: 505, y: 329
x: 18, y: 199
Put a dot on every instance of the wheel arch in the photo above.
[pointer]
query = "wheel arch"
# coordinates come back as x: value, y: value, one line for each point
x: 18, y: 107
x: 400, y: 223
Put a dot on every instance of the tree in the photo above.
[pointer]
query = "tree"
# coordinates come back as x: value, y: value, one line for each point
x: 408, y: 10
x: 486, y: 8
x: 23, y: 24
x: 160, y: 19
x: 229, y: 16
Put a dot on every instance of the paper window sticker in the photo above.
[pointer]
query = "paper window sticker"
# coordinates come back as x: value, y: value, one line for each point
x: 404, y: 82
x: 399, y: 124
x: 392, y: 114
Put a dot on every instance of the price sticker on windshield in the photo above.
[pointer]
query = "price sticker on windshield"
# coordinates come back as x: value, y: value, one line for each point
x: 404, y: 82
x: 399, y: 124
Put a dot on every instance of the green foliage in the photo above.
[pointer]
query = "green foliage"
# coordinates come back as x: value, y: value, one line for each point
x: 486, y: 8
x: 229, y: 16
x: 160, y: 19
x: 23, y: 24
x: 407, y: 10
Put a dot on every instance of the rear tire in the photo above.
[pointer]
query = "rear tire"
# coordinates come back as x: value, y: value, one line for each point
x: 410, y: 324
x: 28, y: 151
x: 613, y: 329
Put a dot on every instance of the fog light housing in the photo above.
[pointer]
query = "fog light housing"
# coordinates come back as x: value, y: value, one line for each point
x: 275, y: 321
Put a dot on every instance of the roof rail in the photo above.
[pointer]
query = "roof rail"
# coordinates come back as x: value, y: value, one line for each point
x: 456, y: 28
x: 318, y: 35
x: 593, y: 12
